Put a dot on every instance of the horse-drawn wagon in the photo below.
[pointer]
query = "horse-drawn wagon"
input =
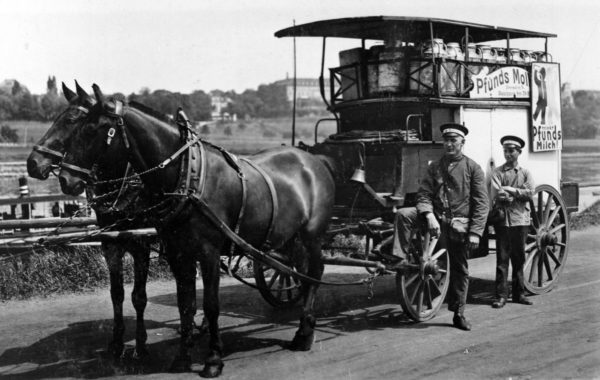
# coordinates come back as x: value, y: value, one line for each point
x: 389, y: 94
x: 388, y: 97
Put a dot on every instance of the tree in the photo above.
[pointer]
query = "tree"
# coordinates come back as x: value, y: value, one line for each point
x: 8, y: 134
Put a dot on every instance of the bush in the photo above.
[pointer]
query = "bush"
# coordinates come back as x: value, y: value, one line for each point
x: 8, y: 134
x: 205, y: 130
x: 227, y: 131
x: 63, y: 269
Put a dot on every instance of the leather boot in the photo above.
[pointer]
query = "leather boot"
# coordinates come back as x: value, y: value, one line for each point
x: 460, y: 322
x: 499, y: 303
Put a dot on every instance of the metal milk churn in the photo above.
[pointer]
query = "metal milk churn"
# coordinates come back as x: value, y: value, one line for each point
x: 435, y: 48
x: 500, y: 54
x: 527, y: 56
x: 454, y: 51
x: 542, y: 56
x: 515, y: 55
x: 474, y: 53
x: 486, y: 53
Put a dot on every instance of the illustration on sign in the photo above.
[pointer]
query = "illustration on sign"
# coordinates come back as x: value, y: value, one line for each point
x: 546, y: 128
x: 506, y: 82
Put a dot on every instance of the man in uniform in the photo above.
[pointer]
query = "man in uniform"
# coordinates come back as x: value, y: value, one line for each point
x: 454, y: 193
x: 512, y: 187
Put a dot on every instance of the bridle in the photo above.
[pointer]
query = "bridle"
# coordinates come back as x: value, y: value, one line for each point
x: 118, y: 114
x: 55, y: 154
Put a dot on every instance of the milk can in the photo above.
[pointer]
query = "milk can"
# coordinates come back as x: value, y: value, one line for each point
x: 515, y: 55
x: 500, y: 54
x: 527, y: 56
x: 454, y: 51
x: 474, y: 53
x: 486, y: 53
x: 542, y: 56
x: 435, y: 48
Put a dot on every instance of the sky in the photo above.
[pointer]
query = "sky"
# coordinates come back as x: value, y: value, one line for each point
x: 182, y: 46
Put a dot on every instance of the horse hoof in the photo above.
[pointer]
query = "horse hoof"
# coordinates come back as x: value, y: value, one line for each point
x: 302, y: 343
x: 181, y: 364
x: 212, y: 370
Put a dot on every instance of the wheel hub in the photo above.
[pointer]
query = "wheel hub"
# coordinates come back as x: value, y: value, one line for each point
x: 431, y: 268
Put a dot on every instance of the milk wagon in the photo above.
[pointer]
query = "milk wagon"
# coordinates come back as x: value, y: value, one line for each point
x: 388, y: 96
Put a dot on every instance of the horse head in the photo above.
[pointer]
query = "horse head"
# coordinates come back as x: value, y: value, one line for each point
x: 49, y: 150
x: 96, y: 148
x: 102, y: 143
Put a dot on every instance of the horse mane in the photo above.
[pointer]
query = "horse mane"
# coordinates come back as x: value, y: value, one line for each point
x: 150, y: 111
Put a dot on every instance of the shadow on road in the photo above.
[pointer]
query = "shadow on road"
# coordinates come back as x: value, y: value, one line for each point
x: 80, y: 350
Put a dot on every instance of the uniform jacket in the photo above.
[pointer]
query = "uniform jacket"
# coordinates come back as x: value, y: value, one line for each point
x: 466, y: 191
x: 517, y: 212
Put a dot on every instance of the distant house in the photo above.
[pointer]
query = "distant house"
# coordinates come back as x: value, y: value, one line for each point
x: 306, y: 88
x: 308, y: 94
x: 218, y: 104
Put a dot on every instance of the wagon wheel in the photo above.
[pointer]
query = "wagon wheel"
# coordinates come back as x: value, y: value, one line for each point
x: 278, y: 289
x: 423, y: 284
x: 547, y: 242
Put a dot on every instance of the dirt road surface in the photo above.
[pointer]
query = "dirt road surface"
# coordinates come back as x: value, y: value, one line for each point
x: 357, y: 337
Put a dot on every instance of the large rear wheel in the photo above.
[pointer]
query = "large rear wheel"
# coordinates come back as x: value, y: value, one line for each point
x: 423, y: 283
x: 278, y: 289
x: 547, y: 242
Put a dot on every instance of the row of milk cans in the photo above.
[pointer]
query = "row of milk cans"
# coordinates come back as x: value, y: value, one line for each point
x: 480, y: 52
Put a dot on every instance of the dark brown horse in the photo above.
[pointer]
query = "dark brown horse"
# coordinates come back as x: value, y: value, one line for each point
x: 48, y: 153
x: 303, y: 189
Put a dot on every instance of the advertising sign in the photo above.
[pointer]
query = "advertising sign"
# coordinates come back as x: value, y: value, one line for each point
x: 546, y: 128
x: 506, y: 82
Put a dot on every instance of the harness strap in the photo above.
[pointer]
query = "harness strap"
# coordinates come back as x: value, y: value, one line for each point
x: 267, y: 243
x: 240, y: 217
x: 76, y: 169
x: 51, y: 152
x: 254, y: 253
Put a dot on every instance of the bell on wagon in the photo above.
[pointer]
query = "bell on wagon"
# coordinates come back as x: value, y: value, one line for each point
x: 358, y: 175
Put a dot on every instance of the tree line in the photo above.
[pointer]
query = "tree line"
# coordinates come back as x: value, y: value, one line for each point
x: 17, y: 103
x: 582, y: 119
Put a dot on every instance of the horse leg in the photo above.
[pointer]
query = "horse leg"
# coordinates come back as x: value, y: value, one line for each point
x: 113, y: 255
x: 141, y: 262
x: 213, y: 365
x: 184, y: 271
x: 305, y: 335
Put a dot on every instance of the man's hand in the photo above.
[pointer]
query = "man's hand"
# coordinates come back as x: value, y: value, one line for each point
x: 433, y: 225
x: 472, y: 241
x: 509, y: 189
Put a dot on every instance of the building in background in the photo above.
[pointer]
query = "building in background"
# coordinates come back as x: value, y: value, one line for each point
x: 308, y: 94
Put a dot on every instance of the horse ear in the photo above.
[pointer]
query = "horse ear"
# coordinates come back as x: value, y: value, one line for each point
x: 69, y: 95
x: 98, y: 93
x: 80, y: 91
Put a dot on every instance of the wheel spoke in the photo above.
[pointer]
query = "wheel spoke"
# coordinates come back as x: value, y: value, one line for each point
x: 559, y: 227
x: 435, y: 288
x: 534, y: 216
x: 273, y: 279
x: 533, y: 266
x: 540, y: 268
x: 415, y: 292
x: 540, y: 207
x: 288, y: 284
x: 438, y: 254
x: 553, y: 257
x: 548, y: 269
x: 547, y: 210
x: 530, y: 246
x: 561, y: 244
x: 420, y: 299
x: 530, y: 257
x: 410, y: 280
x: 428, y: 294
x: 553, y: 216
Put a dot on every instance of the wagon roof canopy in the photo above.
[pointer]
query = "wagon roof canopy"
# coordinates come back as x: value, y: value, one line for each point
x: 410, y: 29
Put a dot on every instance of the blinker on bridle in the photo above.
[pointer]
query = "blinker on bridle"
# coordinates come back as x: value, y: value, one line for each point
x: 117, y: 114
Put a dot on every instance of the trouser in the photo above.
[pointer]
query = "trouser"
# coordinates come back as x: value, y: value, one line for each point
x: 510, y: 245
x: 406, y: 220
